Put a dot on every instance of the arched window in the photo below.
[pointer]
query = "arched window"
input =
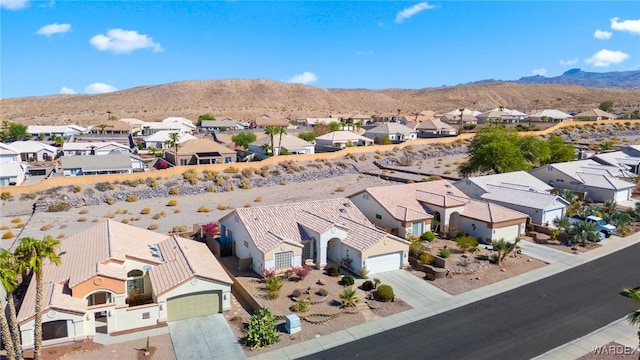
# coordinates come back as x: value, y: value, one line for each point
x: 135, y: 281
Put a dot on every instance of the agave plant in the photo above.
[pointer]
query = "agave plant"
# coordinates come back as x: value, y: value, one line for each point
x: 349, y: 297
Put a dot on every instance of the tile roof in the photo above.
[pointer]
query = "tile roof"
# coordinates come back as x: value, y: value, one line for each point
x: 289, y: 142
x: 202, y: 145
x: 96, y: 145
x: 591, y: 167
x: 104, y: 248
x: 343, y: 136
x: 527, y: 198
x: 6, y: 149
x: 551, y: 113
x: 490, y: 213
x: 626, y: 157
x: 270, y: 226
x: 163, y: 135
x: 515, y: 179
x: 596, y: 113
x: 32, y: 147
x: 97, y: 162
x: 47, y: 129
x: 391, y: 128
x: 111, y: 126
x: 434, y: 124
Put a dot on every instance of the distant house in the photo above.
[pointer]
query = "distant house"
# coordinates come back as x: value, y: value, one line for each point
x: 435, y: 128
x: 171, y: 124
x: 628, y: 158
x: 315, y: 120
x: 223, y: 124
x: 12, y: 170
x: 417, y: 118
x: 290, y: 143
x: 321, y: 232
x: 112, y: 128
x: 95, y: 165
x: 341, y: 139
x: 49, y: 131
x: 263, y: 121
x: 467, y: 119
x: 412, y: 209
x: 596, y: 181
x: 396, y: 132
x: 595, y: 114
x: 502, y: 115
x: 159, y: 139
x: 200, y: 152
x: 35, y: 151
x: 518, y: 191
x: 116, y: 278
x: 550, y: 115
x: 93, y: 148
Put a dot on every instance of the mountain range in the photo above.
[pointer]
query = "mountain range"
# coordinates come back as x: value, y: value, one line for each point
x: 613, y: 79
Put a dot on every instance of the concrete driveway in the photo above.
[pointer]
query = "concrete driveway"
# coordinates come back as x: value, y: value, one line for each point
x: 205, y: 337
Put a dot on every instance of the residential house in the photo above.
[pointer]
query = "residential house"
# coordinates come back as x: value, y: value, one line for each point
x: 12, y: 170
x: 419, y: 117
x: 396, y: 132
x: 467, y: 119
x: 159, y: 139
x: 596, y: 181
x: 315, y: 120
x: 116, y: 278
x: 319, y: 232
x: 112, y: 128
x: 200, y: 152
x: 117, y: 163
x: 136, y: 124
x: 186, y: 123
x: 340, y: 140
x: 503, y: 115
x: 595, y: 114
x: 49, y: 131
x: 519, y: 191
x: 171, y: 124
x: 411, y: 209
x: 550, y: 115
x: 93, y: 148
x: 435, y: 128
x: 627, y: 158
x: 263, y: 121
x: 290, y: 143
x: 222, y: 124
x: 34, y: 150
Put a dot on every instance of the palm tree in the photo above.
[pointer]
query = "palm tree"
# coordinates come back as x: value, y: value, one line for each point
x: 561, y: 223
x: 174, y: 142
x: 634, y: 316
x: 272, y: 131
x: 31, y: 255
x: 266, y: 147
x: 102, y: 126
x: 349, y: 297
x: 9, y: 280
x: 584, y: 231
x: 460, y: 125
x: 281, y: 131
x: 568, y: 195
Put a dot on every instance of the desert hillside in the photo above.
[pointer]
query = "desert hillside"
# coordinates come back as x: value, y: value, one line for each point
x: 246, y: 99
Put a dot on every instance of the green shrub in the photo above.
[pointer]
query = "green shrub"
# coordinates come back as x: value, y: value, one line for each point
x: 466, y: 242
x: 349, y: 297
x: 333, y: 271
x: 368, y: 285
x: 262, y: 330
x: 428, y: 236
x: 301, y: 306
x: 131, y: 198
x: 416, y: 249
x: 190, y: 176
x: 59, y: 207
x: 444, y: 253
x: 245, y: 184
x: 426, y: 258
x: 348, y: 280
x: 274, y: 284
x: 384, y: 293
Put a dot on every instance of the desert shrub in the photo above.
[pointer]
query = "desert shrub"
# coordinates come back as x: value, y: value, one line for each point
x: 220, y: 181
x: 247, y: 172
x: 416, y: 249
x: 16, y: 220
x: 152, y: 183
x: 102, y: 187
x: 347, y: 280
x: 426, y: 258
x: 211, y: 188
x: 153, y: 227
x: 46, y: 227
x: 339, y: 189
x: 118, y: 211
x: 466, y: 242
x: 7, y: 235
x: 209, y: 174
x: 124, y: 221
x: 223, y: 207
x: 83, y: 211
x: 145, y: 211
x: 4, y: 227
x: 131, y: 182
x: 364, y: 272
x: 428, y: 236
x: 384, y: 293
x: 5, y: 195
x: 247, y: 205
x: 125, y: 211
x: 61, y: 236
x: 203, y: 209
x: 179, y: 228
x: 296, y: 293
x: 322, y: 292
x: 174, y: 191
x: 190, y: 176
x: 333, y: 271
x: 262, y: 330
x: 131, y: 198
x: 283, y: 182
x: 172, y: 202
x: 82, y: 219
x: 156, y: 216
x: 258, y: 199
x: 368, y: 285
x: 109, y: 215
x: 19, y: 226
x: 274, y: 284
x: 444, y: 253
x: 176, y: 211
x: 76, y: 188
x: 110, y: 200
x: 231, y: 170
x: 301, y: 306
x: 59, y: 207
x: 245, y: 184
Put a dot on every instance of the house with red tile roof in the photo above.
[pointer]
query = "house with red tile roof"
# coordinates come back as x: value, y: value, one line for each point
x: 115, y: 277
x: 413, y: 209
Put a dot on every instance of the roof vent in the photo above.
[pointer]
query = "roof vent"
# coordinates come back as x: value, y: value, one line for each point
x: 449, y: 193
x: 343, y: 210
x: 346, y: 204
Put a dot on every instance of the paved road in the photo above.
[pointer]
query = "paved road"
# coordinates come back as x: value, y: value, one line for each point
x: 518, y: 324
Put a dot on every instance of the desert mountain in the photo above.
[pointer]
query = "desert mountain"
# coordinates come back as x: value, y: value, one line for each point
x: 614, y: 79
x: 247, y: 99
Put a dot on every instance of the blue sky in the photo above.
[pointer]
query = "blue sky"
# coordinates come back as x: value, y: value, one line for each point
x: 51, y: 47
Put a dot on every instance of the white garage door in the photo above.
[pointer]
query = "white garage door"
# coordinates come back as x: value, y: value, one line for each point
x: 622, y: 195
x: 192, y: 305
x: 382, y: 263
x: 551, y: 215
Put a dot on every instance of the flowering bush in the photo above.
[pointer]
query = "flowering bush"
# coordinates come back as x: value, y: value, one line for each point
x: 302, y: 271
x: 268, y: 272
x: 211, y: 229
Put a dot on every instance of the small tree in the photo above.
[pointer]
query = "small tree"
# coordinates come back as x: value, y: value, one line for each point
x: 606, y: 105
x: 274, y: 284
x: 262, y: 330
x: 384, y: 140
x: 634, y: 316
x: 243, y: 139
x: 504, y: 248
x: 466, y: 242
x: 309, y: 136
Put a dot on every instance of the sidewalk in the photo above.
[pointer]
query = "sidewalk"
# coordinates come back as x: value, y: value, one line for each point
x: 428, y: 300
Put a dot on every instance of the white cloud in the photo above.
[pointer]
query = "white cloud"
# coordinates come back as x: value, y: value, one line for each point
x: 55, y: 28
x: 364, y: 52
x: 604, y: 58
x: 123, y: 41
x: 304, y: 78
x: 602, y: 35
x: 541, y: 71
x: 569, y: 62
x: 13, y: 4
x: 410, y: 11
x: 99, y: 88
x: 66, y: 90
x: 632, y: 26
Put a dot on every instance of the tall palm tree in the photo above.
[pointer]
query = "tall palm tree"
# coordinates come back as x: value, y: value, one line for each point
x: 9, y: 280
x: 174, y: 142
x: 31, y: 255
x: 272, y: 131
x: 281, y: 130
x: 634, y: 316
x: 460, y: 125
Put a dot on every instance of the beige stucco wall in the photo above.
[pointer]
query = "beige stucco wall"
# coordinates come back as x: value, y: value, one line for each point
x: 75, y: 328
x: 389, y: 246
x: 97, y: 283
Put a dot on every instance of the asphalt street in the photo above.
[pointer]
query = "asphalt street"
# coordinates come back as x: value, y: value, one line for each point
x: 518, y: 324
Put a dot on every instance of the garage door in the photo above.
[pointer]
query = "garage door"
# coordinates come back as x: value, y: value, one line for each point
x: 382, y: 263
x: 622, y: 195
x: 193, y: 305
x: 551, y: 215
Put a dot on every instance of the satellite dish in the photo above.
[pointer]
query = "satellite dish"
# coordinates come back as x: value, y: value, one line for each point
x: 146, y: 268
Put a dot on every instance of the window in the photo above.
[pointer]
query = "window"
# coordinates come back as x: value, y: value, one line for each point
x: 227, y: 160
x: 417, y: 228
x: 145, y: 316
x: 183, y: 162
x: 283, y: 260
x: 378, y: 216
x: 246, y: 244
x: 135, y: 281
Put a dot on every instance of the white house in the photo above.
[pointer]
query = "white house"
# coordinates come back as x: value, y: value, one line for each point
x: 60, y: 130
x: 94, y: 165
x: 435, y: 128
x: 596, y: 181
x: 550, y: 115
x: 595, y: 114
x: 93, y: 148
x: 115, y: 278
x: 12, y: 170
x: 159, y: 139
x: 395, y: 131
x: 290, y: 143
x: 628, y: 158
x: 341, y: 139
x: 35, y: 150
x: 221, y: 124
x: 319, y: 232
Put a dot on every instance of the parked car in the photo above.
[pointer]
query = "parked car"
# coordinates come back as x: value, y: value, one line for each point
x: 604, y: 227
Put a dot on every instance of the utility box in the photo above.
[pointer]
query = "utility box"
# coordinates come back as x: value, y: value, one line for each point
x: 292, y: 324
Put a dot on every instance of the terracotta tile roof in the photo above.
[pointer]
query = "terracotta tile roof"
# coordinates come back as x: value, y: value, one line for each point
x: 490, y: 213
x: 434, y: 124
x: 201, y: 145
